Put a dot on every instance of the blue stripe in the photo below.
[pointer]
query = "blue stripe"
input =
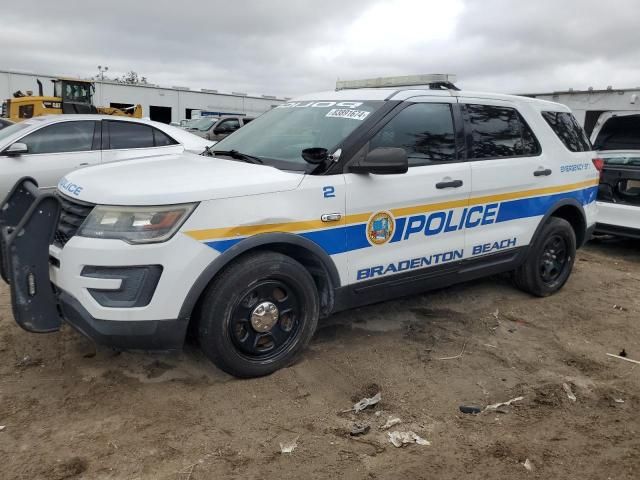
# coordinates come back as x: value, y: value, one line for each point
x: 354, y: 237
x: 537, y: 206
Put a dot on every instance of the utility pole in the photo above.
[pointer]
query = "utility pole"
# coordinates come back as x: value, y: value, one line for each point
x: 101, y: 71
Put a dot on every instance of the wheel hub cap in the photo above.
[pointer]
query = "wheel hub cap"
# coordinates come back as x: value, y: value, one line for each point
x: 264, y: 317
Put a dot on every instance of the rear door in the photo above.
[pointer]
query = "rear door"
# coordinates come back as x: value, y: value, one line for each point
x: 399, y: 224
x: 123, y: 140
x: 55, y: 150
x: 509, y: 174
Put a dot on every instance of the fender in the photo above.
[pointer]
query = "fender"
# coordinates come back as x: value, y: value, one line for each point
x: 260, y: 240
x: 572, y: 202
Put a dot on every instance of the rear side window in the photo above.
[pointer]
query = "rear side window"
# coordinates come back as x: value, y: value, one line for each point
x: 567, y: 128
x: 498, y: 132
x: 130, y: 135
x: 619, y: 133
x: 61, y: 137
x: 161, y: 139
x: 424, y: 130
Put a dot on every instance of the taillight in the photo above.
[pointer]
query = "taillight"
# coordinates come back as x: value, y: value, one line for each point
x: 598, y: 163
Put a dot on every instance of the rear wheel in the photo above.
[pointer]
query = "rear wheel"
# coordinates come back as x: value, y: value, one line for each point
x: 550, y: 259
x: 258, y: 315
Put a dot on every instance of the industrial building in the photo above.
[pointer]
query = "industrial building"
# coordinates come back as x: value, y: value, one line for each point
x: 163, y: 104
x: 588, y: 105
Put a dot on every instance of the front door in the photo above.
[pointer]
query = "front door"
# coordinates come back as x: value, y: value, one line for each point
x: 53, y: 151
x: 402, y: 223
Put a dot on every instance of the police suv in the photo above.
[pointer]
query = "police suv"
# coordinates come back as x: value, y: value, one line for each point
x: 330, y: 201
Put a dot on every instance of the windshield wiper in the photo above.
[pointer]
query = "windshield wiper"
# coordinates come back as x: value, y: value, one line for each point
x: 236, y: 154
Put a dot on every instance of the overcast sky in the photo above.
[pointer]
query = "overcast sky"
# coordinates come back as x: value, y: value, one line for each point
x: 288, y: 47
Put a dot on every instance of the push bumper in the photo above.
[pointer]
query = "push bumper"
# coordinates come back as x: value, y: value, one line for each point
x: 28, y: 221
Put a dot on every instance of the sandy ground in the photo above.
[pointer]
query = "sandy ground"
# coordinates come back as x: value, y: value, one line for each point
x: 70, y: 411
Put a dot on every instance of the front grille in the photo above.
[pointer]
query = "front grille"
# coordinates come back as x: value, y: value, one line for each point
x: 72, y: 215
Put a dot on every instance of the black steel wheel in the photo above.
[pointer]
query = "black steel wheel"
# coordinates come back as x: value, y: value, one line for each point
x: 550, y: 259
x: 553, y: 259
x: 258, y: 315
x: 265, y: 319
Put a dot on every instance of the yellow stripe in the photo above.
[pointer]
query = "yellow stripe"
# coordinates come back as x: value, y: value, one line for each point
x: 248, y: 230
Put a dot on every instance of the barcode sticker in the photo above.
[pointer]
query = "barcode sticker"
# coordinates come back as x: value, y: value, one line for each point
x: 347, y: 113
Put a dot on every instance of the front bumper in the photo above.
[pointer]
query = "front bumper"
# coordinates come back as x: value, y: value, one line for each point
x: 158, y: 335
x: 28, y: 220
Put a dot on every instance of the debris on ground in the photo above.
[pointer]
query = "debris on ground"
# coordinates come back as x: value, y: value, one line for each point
x: 470, y: 409
x: 569, y: 392
x: 290, y: 446
x: 495, y: 406
x: 365, y: 403
x: 528, y: 465
x: 391, y: 421
x: 618, y: 400
x: 619, y: 307
x: 398, y: 439
x: 623, y: 353
x: 359, y: 429
x: 2, y: 427
x: 623, y: 357
x: 464, y: 346
x: 28, y: 361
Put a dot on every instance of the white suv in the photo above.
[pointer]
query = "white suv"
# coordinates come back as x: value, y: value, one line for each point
x: 327, y: 202
x: 616, y: 137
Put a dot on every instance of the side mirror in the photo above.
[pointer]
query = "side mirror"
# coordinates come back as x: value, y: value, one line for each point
x: 16, y: 149
x: 382, y: 161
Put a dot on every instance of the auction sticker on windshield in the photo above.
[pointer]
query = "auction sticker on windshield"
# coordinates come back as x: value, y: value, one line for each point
x: 347, y: 113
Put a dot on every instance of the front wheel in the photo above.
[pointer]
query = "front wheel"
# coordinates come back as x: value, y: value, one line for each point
x: 550, y: 259
x: 258, y: 315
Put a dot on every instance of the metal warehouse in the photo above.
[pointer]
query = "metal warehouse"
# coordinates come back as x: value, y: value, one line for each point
x: 164, y: 104
x: 588, y: 105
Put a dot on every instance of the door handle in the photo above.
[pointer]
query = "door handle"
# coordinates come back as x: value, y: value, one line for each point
x: 449, y: 184
x: 330, y: 217
x: 542, y: 173
x: 84, y: 164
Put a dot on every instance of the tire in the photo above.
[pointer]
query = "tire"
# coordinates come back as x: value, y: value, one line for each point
x: 550, y: 259
x: 238, y: 328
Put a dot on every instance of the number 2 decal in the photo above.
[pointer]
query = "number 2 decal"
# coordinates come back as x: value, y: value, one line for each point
x: 329, y: 192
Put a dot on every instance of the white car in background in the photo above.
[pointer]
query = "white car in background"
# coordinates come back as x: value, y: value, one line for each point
x: 48, y: 147
x: 616, y: 138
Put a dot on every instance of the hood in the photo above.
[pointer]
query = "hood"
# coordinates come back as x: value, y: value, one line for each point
x: 172, y: 179
x: 197, y: 132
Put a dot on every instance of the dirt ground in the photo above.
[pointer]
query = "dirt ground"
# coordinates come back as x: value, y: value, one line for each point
x: 70, y: 411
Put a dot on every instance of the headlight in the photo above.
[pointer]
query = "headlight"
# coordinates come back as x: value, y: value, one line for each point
x: 135, y: 224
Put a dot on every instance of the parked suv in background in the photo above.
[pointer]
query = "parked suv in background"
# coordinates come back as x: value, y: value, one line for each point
x: 47, y: 147
x: 616, y: 137
x: 217, y: 128
x: 329, y: 201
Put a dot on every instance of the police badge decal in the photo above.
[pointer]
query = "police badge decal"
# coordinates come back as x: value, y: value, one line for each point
x: 380, y: 228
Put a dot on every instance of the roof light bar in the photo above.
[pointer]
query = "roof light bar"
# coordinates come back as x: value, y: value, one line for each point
x: 433, y: 80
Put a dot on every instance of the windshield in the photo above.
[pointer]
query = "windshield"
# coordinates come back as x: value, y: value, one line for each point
x: 76, y: 92
x: 11, y: 129
x: 282, y: 133
x: 202, y: 124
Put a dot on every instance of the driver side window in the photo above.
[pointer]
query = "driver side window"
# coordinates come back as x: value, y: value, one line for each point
x: 230, y: 125
x: 424, y: 130
x: 72, y: 136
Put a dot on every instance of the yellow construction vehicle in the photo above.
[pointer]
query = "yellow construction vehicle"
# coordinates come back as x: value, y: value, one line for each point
x: 69, y: 96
